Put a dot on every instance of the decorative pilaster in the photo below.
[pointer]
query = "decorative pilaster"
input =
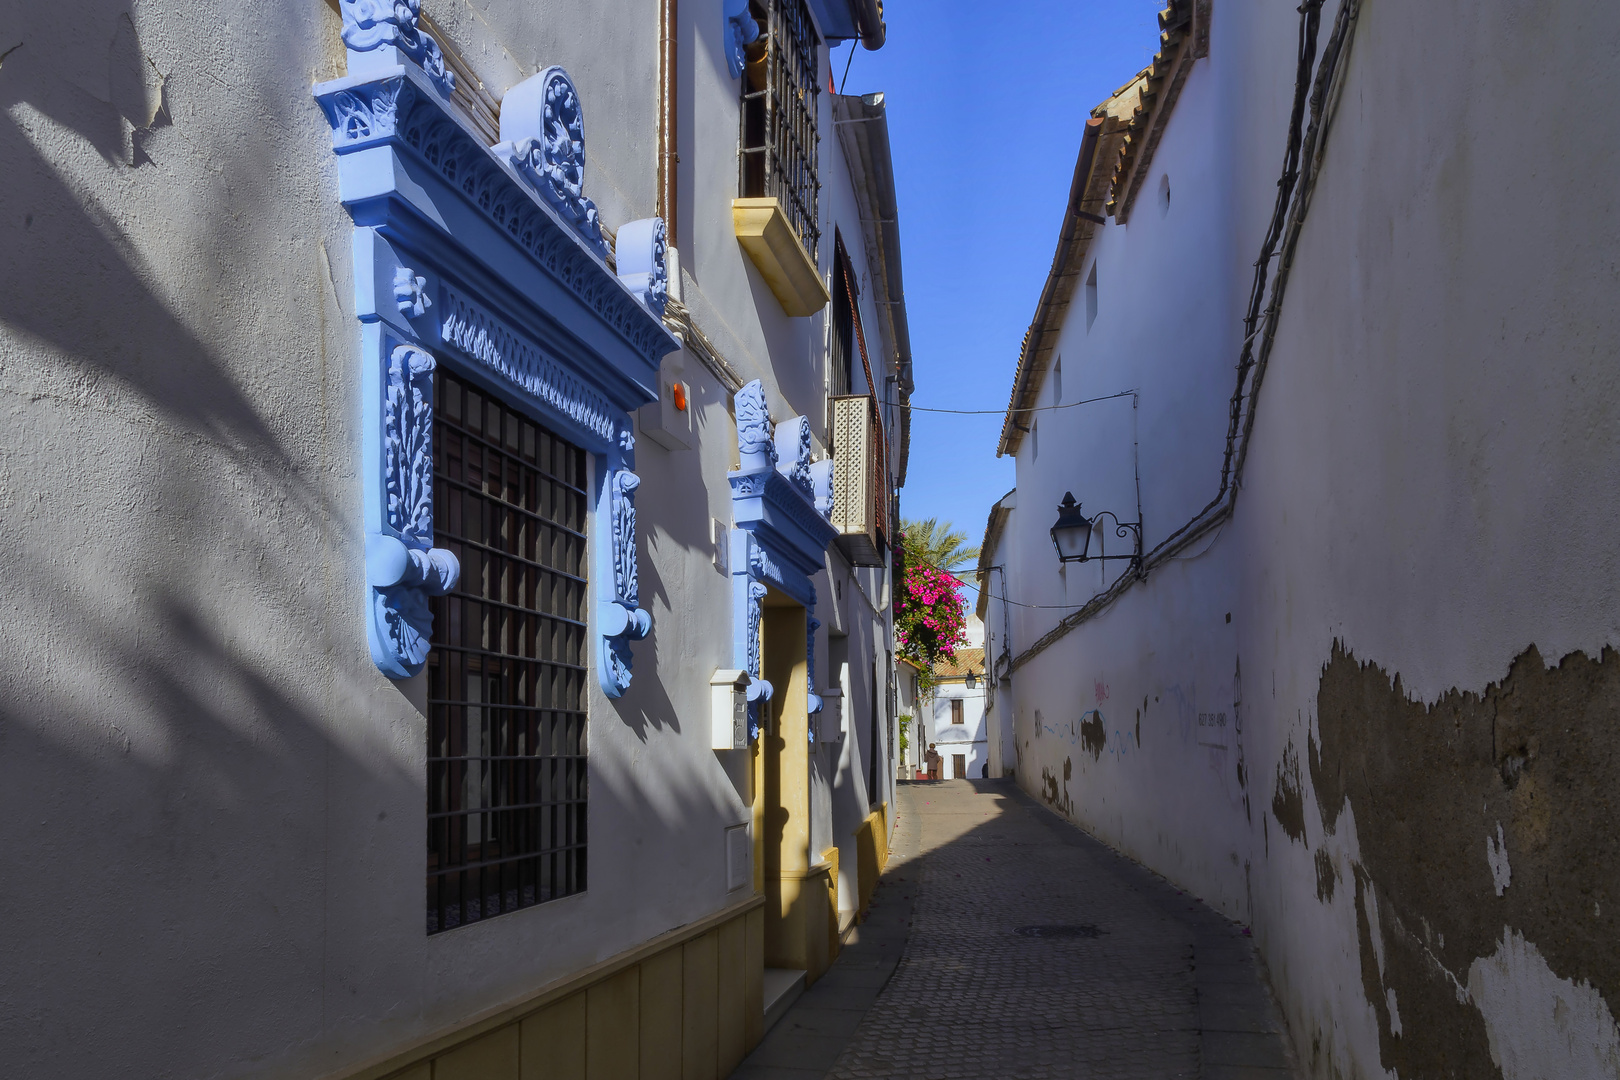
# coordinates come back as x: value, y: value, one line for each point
x: 403, y: 568
x: 620, y: 615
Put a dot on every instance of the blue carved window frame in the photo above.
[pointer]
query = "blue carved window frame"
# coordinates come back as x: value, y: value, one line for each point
x: 491, y: 260
x: 781, y: 506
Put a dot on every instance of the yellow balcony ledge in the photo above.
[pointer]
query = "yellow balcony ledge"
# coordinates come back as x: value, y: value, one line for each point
x: 764, y: 233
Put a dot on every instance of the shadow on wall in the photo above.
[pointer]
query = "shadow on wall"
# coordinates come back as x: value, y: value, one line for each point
x: 79, y: 283
x: 1487, y: 891
x: 207, y: 789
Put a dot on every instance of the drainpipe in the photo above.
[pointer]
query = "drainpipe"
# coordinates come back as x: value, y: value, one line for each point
x: 668, y: 159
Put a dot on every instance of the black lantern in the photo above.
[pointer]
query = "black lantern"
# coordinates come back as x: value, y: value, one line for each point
x: 972, y: 680
x: 1071, y: 535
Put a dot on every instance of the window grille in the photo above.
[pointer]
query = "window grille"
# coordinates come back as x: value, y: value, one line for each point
x: 780, y: 102
x: 506, y: 677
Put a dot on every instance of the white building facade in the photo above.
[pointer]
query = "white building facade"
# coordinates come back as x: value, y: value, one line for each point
x: 459, y: 452
x: 956, y: 727
x: 1358, y: 690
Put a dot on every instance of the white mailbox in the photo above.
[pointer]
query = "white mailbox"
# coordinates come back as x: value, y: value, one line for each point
x: 728, y: 693
x: 829, y: 721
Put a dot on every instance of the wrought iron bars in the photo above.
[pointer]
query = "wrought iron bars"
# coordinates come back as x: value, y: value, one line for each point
x: 506, y: 676
x: 780, y: 101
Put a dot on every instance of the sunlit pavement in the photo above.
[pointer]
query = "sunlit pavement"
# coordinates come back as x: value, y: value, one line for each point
x: 1003, y: 942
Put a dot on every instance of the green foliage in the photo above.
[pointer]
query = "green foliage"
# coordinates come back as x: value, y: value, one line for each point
x: 941, y: 546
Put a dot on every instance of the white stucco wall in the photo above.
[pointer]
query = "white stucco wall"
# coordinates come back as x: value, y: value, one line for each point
x: 1430, y: 486
x: 214, y: 800
x: 967, y: 738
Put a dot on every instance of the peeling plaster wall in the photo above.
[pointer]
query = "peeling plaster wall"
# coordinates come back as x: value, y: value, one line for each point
x: 1410, y: 621
x: 212, y: 799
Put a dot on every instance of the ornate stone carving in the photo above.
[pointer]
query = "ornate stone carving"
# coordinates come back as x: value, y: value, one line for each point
x: 642, y: 249
x: 372, y: 25
x: 475, y: 333
x: 749, y: 484
x: 759, y: 691
x: 410, y: 292
x: 755, y: 443
x: 403, y: 153
x: 775, y: 505
x: 543, y: 135
x: 793, y: 453
x: 367, y: 113
x: 741, y: 30
x: 761, y: 565
x: 403, y: 567
x: 408, y: 437
x: 622, y: 491
x: 368, y: 110
x: 622, y: 618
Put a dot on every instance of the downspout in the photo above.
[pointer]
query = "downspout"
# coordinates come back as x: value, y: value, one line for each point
x: 668, y: 130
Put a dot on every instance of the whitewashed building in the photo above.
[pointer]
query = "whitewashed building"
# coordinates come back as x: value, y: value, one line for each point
x: 449, y: 464
x: 1353, y: 678
x: 956, y: 723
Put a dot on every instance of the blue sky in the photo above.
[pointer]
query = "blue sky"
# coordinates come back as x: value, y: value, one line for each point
x: 985, y: 114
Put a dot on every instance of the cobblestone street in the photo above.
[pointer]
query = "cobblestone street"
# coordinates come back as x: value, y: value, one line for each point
x: 1006, y: 943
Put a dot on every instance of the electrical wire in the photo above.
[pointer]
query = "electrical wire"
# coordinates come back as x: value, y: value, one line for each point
x: 1004, y: 412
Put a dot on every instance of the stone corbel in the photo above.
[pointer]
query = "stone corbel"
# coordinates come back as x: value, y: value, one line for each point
x: 821, y: 483
x: 793, y: 454
x: 642, y: 251
x: 382, y: 34
x: 739, y: 32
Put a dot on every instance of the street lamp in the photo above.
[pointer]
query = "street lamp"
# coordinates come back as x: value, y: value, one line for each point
x: 1071, y: 535
x: 972, y: 680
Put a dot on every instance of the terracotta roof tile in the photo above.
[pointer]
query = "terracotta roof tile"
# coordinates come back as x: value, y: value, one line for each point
x: 966, y: 660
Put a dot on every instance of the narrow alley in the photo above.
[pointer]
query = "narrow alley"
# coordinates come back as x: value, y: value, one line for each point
x: 1004, y: 942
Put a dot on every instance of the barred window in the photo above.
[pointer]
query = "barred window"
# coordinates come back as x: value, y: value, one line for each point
x: 780, y: 97
x: 506, y: 676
